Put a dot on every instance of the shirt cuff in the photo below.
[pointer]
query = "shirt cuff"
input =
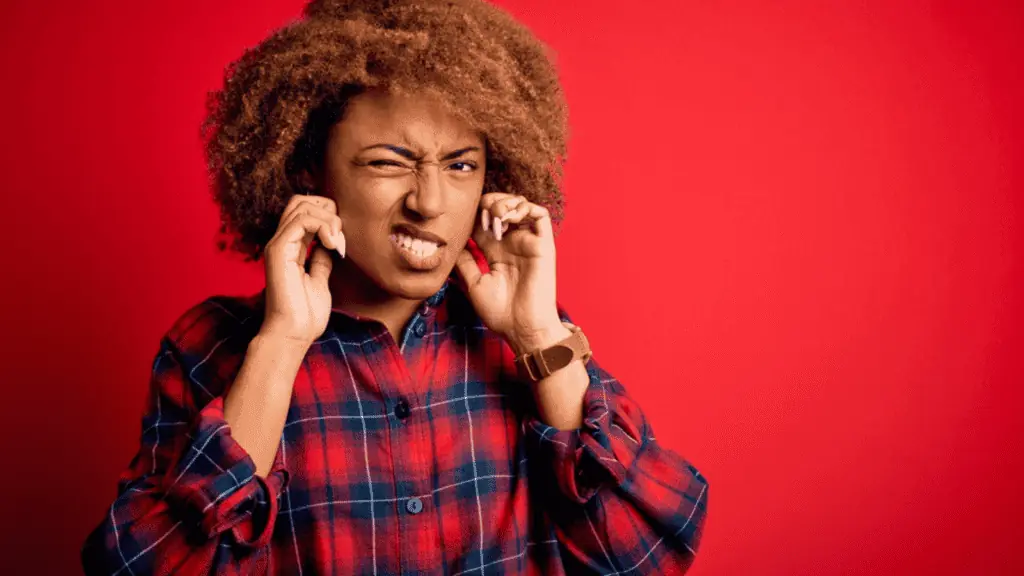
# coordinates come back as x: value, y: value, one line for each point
x: 600, y: 452
x: 215, y: 483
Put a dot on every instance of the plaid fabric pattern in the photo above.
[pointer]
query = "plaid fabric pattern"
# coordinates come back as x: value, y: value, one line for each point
x: 422, y: 456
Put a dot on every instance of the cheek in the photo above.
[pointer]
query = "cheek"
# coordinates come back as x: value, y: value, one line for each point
x: 467, y: 213
x: 367, y: 203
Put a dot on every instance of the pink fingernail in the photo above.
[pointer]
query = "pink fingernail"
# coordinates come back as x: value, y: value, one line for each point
x: 484, y: 218
x: 497, y: 229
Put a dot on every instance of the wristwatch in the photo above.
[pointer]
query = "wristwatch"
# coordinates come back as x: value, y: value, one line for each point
x: 539, y: 364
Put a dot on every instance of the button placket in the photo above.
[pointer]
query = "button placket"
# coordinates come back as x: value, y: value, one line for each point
x: 411, y: 463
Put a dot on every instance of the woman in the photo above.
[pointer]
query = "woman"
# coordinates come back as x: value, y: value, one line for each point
x: 385, y: 405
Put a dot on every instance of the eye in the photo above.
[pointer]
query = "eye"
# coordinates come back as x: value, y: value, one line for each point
x: 383, y: 163
x: 385, y: 167
x: 463, y: 166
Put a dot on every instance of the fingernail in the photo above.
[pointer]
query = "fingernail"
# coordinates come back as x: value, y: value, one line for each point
x: 340, y: 240
x: 484, y: 217
x: 497, y: 229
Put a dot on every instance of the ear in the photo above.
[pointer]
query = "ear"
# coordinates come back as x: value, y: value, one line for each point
x: 309, y: 179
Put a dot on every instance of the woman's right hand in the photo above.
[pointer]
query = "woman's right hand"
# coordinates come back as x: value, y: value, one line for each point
x: 298, y: 303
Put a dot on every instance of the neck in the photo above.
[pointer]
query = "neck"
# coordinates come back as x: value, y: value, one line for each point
x: 354, y: 293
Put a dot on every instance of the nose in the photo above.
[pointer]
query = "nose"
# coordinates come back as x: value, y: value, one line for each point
x: 427, y: 197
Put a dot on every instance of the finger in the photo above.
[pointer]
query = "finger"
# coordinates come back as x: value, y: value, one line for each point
x: 495, y: 232
x: 516, y: 215
x: 320, y: 265
x: 334, y: 239
x: 528, y: 216
x: 482, y: 235
x: 297, y: 235
x: 541, y: 218
x: 503, y: 207
x: 322, y: 201
x: 467, y: 267
x: 487, y: 201
x: 315, y: 210
x: 488, y: 235
x: 299, y: 200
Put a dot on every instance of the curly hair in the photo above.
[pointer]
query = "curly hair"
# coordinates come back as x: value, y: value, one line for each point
x: 267, y: 127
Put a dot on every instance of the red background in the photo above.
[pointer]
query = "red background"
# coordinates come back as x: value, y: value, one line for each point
x: 793, y: 230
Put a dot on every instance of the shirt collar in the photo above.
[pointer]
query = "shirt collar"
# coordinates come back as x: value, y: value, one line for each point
x: 431, y: 303
x: 438, y: 296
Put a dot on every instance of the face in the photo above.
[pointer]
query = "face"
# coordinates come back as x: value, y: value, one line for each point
x: 407, y: 178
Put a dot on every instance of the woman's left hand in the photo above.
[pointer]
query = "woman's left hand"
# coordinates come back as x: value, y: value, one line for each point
x: 516, y: 298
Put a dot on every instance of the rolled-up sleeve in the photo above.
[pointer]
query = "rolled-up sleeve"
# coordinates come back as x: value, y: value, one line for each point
x: 215, y: 483
x: 190, y: 502
x: 620, y: 500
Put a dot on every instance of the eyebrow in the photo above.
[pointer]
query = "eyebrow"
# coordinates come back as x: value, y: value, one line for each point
x: 410, y: 155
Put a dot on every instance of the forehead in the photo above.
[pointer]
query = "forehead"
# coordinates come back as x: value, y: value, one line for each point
x: 411, y: 121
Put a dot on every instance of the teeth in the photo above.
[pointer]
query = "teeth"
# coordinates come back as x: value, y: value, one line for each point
x: 421, y: 248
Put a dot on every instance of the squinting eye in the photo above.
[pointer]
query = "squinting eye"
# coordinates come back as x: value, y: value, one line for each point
x: 386, y: 163
x: 463, y: 167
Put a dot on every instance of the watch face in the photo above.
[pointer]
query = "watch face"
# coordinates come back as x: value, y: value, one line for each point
x: 540, y: 364
x: 558, y: 356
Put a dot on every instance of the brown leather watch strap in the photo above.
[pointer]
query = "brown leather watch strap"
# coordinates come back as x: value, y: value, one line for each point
x: 539, y: 364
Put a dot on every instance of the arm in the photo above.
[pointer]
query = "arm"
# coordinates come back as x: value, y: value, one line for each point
x: 618, y: 499
x: 202, y: 494
x: 257, y: 404
x: 192, y: 501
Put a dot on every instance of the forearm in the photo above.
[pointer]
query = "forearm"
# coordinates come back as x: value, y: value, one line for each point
x: 257, y: 403
x: 559, y: 396
x: 626, y: 482
x: 189, y: 502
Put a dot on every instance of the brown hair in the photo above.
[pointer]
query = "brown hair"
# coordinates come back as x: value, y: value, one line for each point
x: 267, y: 127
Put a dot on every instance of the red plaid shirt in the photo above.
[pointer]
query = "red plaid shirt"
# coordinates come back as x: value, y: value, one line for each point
x: 422, y: 456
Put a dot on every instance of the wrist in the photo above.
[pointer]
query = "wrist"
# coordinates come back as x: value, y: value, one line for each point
x: 538, y: 339
x: 277, y: 345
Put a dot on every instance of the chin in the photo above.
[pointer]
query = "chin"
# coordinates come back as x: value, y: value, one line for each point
x: 413, y: 285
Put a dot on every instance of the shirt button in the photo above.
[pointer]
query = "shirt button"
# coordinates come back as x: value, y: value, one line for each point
x: 402, y: 409
x: 414, y: 506
x: 420, y: 329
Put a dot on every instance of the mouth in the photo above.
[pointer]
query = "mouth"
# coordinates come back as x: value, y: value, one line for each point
x: 420, y: 249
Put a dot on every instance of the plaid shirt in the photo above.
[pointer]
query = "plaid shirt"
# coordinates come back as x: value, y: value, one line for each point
x: 417, y: 457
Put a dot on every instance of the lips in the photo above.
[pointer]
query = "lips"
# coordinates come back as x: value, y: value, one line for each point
x: 419, y: 249
x: 417, y: 234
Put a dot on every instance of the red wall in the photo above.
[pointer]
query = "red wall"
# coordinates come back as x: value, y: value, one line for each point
x: 794, y: 232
